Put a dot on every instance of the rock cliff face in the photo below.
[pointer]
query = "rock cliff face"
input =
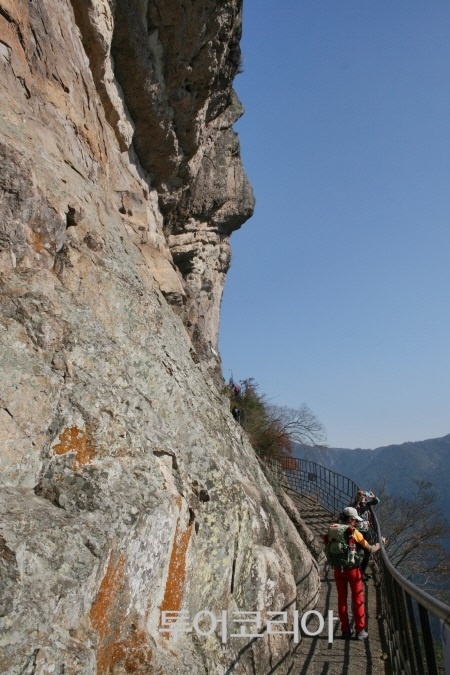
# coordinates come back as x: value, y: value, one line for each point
x: 127, y: 488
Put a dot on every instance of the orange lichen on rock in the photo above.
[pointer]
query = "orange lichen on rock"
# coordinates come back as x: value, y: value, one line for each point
x: 176, y: 575
x: 78, y: 441
x: 120, y: 642
x: 111, y: 586
x: 132, y: 652
x: 107, y: 615
x: 37, y: 241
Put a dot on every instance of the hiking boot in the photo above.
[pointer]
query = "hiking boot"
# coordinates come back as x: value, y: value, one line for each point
x: 362, y: 635
x: 347, y: 634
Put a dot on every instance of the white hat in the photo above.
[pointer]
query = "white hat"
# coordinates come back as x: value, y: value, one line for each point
x: 350, y: 512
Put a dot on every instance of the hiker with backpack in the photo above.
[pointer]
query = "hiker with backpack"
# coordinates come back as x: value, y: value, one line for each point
x: 363, y: 500
x: 344, y: 549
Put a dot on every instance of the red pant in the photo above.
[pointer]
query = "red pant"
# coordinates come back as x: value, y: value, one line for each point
x: 352, y: 577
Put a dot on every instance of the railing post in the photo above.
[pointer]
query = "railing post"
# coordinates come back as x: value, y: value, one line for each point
x: 414, y: 633
x: 445, y: 640
x: 428, y: 640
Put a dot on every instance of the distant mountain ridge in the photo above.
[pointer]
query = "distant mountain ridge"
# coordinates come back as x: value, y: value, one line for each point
x: 395, y: 466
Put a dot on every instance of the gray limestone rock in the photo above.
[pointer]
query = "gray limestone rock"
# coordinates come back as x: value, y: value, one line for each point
x: 127, y: 488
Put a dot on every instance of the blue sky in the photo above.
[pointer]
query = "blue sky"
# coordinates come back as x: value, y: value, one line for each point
x: 338, y: 293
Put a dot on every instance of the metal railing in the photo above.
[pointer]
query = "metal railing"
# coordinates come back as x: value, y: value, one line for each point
x: 330, y: 489
x: 418, y: 625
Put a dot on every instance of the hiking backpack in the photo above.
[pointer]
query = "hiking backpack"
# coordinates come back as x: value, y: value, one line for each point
x: 337, y: 549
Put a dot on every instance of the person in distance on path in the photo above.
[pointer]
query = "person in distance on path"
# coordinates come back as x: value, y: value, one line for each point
x: 363, y: 500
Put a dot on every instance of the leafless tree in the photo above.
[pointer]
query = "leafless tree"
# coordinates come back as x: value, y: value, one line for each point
x: 301, y: 424
x: 415, y: 528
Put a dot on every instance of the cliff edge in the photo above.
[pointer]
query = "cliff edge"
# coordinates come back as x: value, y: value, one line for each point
x: 128, y: 490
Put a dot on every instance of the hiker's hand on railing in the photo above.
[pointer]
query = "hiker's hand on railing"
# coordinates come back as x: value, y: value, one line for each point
x: 373, y: 548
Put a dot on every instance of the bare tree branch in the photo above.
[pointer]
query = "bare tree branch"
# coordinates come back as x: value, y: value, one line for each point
x: 300, y: 424
x: 414, y: 529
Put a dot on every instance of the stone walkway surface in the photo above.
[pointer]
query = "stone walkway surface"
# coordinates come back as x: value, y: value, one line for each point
x: 315, y: 655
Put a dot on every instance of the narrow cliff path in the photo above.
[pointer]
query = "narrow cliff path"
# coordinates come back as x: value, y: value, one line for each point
x: 316, y: 655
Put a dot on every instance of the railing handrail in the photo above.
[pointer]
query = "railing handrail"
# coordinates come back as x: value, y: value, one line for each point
x: 335, y: 502
x: 439, y: 609
x: 433, y: 605
x: 405, y: 649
